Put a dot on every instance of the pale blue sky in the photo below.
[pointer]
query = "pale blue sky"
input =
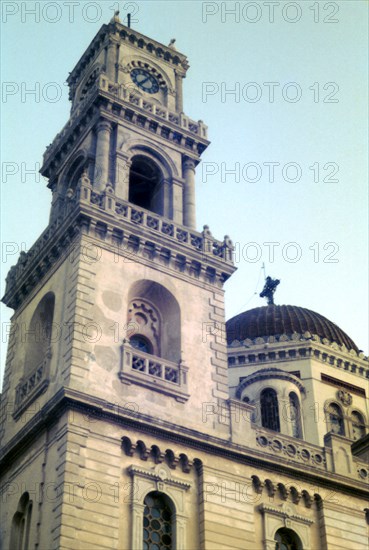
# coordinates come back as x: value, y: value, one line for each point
x: 227, y: 53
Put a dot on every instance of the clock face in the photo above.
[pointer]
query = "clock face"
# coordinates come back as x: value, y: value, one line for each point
x: 145, y: 80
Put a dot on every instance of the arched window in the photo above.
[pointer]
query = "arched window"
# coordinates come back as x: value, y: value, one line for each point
x: 38, y: 337
x: 146, y: 184
x: 141, y: 343
x: 295, y: 415
x: 286, y: 539
x: 154, y: 320
x: 269, y: 410
x: 21, y: 523
x: 158, y: 524
x: 335, y: 419
x: 357, y: 425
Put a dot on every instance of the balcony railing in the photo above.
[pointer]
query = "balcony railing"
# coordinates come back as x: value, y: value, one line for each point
x: 32, y: 385
x: 203, y: 242
x: 124, y: 93
x: 291, y: 448
x: 153, y: 372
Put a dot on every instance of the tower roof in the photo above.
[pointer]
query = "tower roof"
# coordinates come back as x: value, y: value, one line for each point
x: 274, y: 320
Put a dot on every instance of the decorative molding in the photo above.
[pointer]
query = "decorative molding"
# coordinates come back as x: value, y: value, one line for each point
x: 345, y: 397
x: 128, y: 105
x: 295, y: 449
x: 268, y: 374
x: 160, y: 474
x: 154, y: 453
x: 284, y: 516
x: 70, y: 399
x: 120, y: 228
x: 153, y: 372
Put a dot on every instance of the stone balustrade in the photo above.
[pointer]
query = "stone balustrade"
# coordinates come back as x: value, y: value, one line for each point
x: 153, y: 372
x: 291, y: 448
x: 203, y: 242
x: 127, y: 96
x: 32, y: 385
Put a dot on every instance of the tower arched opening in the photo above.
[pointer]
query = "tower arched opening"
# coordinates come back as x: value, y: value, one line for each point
x: 146, y: 188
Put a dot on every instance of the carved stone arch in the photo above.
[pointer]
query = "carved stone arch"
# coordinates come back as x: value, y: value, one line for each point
x: 284, y: 517
x: 72, y: 171
x: 145, y: 319
x: 133, y: 147
x: 168, y: 307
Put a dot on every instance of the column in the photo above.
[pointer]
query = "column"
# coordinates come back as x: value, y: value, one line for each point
x: 179, y: 94
x: 122, y: 171
x: 101, y: 173
x: 189, y: 212
x: 177, y: 200
x: 111, y: 61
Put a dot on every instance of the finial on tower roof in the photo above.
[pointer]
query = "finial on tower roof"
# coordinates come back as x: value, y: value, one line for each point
x: 171, y: 44
x: 269, y: 290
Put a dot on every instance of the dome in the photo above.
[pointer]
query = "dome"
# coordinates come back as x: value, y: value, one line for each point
x: 274, y: 320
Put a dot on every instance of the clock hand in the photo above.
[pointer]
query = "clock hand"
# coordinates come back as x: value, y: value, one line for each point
x: 143, y: 81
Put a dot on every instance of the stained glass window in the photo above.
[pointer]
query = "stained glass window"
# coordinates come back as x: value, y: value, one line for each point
x: 269, y: 410
x: 157, y: 523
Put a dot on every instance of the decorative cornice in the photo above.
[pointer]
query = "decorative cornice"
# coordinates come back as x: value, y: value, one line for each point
x: 67, y: 399
x: 159, y: 475
x: 297, y: 347
x: 128, y: 231
x: 116, y: 103
x: 120, y: 33
x: 285, y: 512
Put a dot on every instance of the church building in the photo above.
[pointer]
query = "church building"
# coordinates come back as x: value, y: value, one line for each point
x: 134, y: 417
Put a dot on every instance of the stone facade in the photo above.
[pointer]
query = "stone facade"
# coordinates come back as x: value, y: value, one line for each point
x: 119, y: 387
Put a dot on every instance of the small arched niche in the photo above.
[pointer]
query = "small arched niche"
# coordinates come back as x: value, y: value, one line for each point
x: 334, y: 419
x: 154, y: 320
x: 21, y: 524
x: 294, y: 413
x: 358, y: 429
x: 146, y: 188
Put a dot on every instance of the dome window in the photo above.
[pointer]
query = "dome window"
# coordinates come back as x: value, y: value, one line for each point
x: 269, y: 410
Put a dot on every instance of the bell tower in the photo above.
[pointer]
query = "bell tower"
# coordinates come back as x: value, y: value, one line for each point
x: 127, y: 129
x: 118, y: 306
